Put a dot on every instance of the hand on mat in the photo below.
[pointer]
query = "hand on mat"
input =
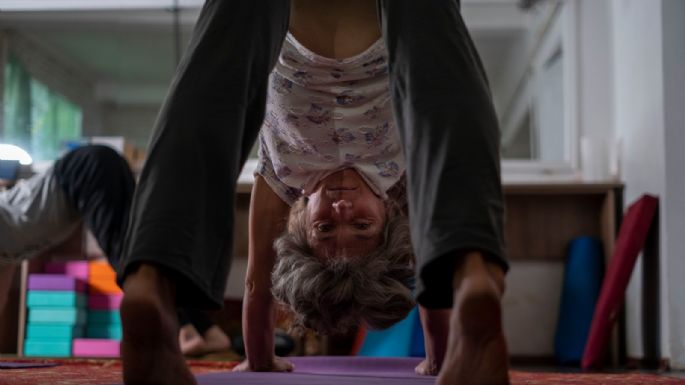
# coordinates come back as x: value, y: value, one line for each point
x: 427, y: 368
x: 277, y: 365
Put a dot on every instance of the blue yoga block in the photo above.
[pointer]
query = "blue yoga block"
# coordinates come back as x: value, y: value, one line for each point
x: 40, y: 348
x: 52, y: 332
x: 104, y: 317
x: 582, y: 283
x: 55, y: 299
x: 57, y: 315
x: 110, y: 332
x: 392, y: 342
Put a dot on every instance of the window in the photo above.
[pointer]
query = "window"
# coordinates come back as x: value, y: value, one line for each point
x: 36, y: 118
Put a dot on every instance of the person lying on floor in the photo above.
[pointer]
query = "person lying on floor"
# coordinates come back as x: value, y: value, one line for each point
x: 91, y: 184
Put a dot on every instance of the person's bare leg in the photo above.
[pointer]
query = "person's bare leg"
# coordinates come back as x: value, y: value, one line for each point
x: 476, y: 349
x: 149, y: 348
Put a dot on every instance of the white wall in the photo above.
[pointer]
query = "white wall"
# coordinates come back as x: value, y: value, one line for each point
x: 674, y: 194
x: 650, y: 119
x: 639, y: 112
x: 131, y: 121
x: 596, y: 83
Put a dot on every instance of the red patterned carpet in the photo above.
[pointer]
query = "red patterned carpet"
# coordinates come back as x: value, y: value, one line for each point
x: 521, y: 378
x: 102, y: 372
x: 86, y: 372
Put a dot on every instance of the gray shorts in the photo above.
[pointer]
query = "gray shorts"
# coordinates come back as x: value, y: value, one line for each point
x: 34, y: 215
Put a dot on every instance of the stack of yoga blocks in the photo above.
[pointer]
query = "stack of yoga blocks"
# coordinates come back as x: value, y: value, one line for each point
x: 103, y: 331
x: 56, y: 304
x: 73, y: 311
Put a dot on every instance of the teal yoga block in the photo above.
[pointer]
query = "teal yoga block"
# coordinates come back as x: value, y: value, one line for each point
x: 57, y: 315
x: 55, y: 299
x: 53, y: 332
x: 110, y: 332
x: 39, y: 348
x: 104, y: 317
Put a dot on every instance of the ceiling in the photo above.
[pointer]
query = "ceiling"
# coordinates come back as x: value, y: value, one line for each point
x: 129, y: 54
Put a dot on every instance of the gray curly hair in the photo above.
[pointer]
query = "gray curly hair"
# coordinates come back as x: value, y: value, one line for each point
x: 333, y: 295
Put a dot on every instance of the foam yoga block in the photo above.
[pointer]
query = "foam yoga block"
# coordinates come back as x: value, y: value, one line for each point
x: 57, y: 315
x: 631, y: 239
x: 53, y: 332
x: 102, y: 270
x: 582, y: 281
x: 76, y: 269
x: 47, y: 348
x: 105, y: 301
x: 104, y: 317
x: 103, y: 287
x: 113, y: 332
x: 55, y: 299
x: 96, y: 348
x: 55, y: 282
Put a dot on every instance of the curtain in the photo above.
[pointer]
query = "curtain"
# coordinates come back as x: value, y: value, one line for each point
x: 36, y: 118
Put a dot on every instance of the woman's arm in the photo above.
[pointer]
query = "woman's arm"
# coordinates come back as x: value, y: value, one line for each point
x: 268, y: 218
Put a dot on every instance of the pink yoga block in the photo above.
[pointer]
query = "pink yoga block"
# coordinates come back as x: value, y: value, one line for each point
x: 76, y: 269
x: 91, y: 347
x: 104, y: 301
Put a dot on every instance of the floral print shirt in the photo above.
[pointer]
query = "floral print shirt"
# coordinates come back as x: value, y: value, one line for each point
x: 324, y: 115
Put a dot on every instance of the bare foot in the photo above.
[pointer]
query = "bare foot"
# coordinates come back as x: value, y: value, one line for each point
x: 149, y: 348
x: 426, y: 368
x: 216, y: 340
x: 193, y: 344
x: 190, y: 341
x: 477, y: 351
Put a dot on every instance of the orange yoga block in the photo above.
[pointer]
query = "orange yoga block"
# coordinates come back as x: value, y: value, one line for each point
x: 102, y: 286
x: 101, y: 269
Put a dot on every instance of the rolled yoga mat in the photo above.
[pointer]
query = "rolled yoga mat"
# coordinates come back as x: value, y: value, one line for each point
x: 582, y: 281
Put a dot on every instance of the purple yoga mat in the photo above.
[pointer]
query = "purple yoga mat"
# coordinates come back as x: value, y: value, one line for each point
x: 56, y: 282
x: 330, y: 371
x: 360, y: 366
x: 307, y: 379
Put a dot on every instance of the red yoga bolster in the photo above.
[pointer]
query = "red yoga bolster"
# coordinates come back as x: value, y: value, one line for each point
x: 630, y: 241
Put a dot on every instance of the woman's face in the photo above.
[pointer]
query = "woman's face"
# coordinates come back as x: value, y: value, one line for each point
x: 344, y: 217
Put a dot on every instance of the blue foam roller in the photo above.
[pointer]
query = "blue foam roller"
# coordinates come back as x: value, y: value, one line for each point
x: 582, y: 282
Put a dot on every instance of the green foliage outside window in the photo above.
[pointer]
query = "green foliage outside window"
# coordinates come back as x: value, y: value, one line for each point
x: 36, y: 118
